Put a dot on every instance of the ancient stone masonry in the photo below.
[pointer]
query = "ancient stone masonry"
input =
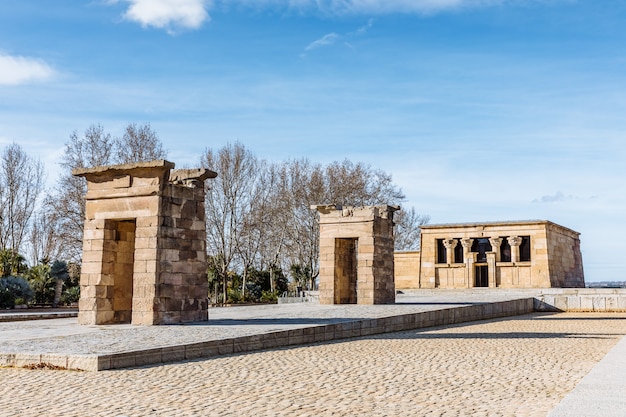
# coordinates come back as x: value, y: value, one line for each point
x: 144, y: 247
x: 517, y: 254
x: 356, y: 255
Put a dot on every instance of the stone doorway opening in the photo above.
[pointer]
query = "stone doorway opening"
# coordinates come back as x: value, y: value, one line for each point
x: 346, y: 271
x: 482, y: 276
x: 119, y: 250
x: 144, y: 245
x: 356, y: 254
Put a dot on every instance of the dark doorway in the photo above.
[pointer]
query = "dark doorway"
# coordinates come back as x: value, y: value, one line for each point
x: 458, y: 253
x: 346, y: 271
x: 442, y: 253
x: 482, y: 246
x: 119, y: 257
x: 505, y: 250
x: 524, y: 249
x: 482, y: 276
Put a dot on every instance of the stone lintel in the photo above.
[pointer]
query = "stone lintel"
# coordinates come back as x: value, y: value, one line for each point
x: 325, y: 208
x: 179, y: 176
x: 347, y: 214
x: 122, y: 193
x: 116, y: 170
x: 497, y: 224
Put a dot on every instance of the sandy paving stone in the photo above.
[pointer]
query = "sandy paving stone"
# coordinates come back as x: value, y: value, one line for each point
x: 521, y: 366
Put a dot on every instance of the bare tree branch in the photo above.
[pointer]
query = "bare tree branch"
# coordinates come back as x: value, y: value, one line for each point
x: 21, y: 182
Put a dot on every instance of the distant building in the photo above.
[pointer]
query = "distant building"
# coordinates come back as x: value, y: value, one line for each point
x: 516, y: 254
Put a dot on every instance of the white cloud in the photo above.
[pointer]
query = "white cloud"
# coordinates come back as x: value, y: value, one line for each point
x: 15, y: 70
x: 373, y: 7
x: 363, y: 29
x: 557, y: 197
x: 390, y: 6
x: 191, y: 14
x: 168, y: 14
x: 560, y: 197
x: 325, y: 40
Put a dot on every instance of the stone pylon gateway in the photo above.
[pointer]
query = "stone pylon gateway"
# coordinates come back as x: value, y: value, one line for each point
x: 144, y: 247
x: 356, y: 255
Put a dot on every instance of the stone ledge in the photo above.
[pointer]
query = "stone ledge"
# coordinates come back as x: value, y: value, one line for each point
x: 582, y: 300
x: 4, y: 317
x: 275, y: 339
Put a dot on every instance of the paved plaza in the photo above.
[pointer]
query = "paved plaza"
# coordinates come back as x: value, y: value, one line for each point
x: 516, y: 366
x: 67, y: 344
x: 521, y: 366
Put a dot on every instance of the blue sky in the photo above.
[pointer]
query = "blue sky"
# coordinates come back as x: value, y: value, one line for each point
x: 482, y: 110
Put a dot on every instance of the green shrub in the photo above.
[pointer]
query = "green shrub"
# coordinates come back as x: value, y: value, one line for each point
x: 253, y: 292
x: 18, y: 287
x: 42, y: 283
x: 234, y: 296
x: 70, y: 295
x: 269, y: 297
x: 7, y: 300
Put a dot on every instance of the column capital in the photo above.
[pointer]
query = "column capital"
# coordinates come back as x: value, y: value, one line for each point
x: 450, y: 243
x: 467, y: 243
x: 514, y: 240
x: 495, y: 242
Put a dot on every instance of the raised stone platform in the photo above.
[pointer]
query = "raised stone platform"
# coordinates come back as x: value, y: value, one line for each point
x: 63, y: 343
x: 24, y: 315
x: 582, y: 300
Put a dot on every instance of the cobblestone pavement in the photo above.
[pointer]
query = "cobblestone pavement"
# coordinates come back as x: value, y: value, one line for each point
x: 520, y: 366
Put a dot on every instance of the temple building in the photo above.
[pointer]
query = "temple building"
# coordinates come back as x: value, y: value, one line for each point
x: 520, y: 254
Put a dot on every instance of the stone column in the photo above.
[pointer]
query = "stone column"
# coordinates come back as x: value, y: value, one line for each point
x: 450, y: 244
x: 468, y: 257
x: 495, y: 246
x: 491, y: 269
x: 514, y: 241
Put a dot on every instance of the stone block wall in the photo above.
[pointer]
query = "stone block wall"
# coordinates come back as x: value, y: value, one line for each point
x: 406, y: 269
x: 370, y: 231
x: 144, y: 258
x: 566, y: 264
x: 554, y: 260
x: 182, y: 242
x: 582, y: 300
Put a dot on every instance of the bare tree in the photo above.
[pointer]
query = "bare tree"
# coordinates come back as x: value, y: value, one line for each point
x: 94, y: 147
x: 275, y: 227
x: 408, y: 229
x: 261, y: 222
x: 351, y: 184
x: 228, y: 203
x: 258, y: 213
x: 278, y: 221
x: 341, y: 183
x: 306, y: 184
x: 43, y: 241
x: 137, y: 144
x: 21, y: 182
